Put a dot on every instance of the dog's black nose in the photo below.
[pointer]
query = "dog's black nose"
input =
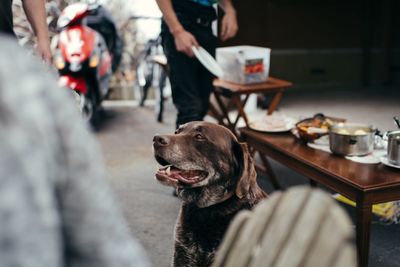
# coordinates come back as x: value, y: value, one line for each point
x: 161, y: 140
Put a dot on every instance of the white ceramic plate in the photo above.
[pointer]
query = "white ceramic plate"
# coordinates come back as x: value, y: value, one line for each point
x: 386, y: 162
x: 208, y: 61
x: 261, y: 126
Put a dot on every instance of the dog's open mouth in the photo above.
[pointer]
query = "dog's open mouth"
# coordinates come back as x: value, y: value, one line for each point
x: 174, y: 176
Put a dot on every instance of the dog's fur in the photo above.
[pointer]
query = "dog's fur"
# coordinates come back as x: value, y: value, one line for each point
x: 222, y: 182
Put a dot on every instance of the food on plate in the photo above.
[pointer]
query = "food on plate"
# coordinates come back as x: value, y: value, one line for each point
x: 343, y: 131
x: 313, y: 128
x: 351, y: 131
x: 360, y: 132
x: 272, y: 123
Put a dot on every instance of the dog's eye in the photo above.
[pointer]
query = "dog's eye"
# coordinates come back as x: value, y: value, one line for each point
x: 199, y: 136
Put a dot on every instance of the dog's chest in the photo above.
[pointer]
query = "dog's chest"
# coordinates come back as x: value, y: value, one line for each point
x: 202, y: 228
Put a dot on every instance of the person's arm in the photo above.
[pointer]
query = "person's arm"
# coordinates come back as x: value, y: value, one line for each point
x: 229, y: 25
x: 36, y: 14
x: 184, y: 40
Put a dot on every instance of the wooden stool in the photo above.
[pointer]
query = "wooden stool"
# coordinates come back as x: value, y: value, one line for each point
x: 234, y: 93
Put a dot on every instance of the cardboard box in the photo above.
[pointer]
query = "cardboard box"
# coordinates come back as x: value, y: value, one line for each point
x: 244, y: 64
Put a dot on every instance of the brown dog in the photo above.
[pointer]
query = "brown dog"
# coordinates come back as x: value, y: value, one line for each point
x: 215, y: 177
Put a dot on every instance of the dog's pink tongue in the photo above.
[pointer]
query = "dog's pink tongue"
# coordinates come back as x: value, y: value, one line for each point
x: 188, y: 177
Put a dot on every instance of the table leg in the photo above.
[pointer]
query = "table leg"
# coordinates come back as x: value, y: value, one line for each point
x: 269, y: 171
x: 239, y: 105
x: 265, y: 167
x: 275, y: 101
x: 364, y: 217
x: 224, y: 111
x: 214, y: 112
x: 313, y: 183
x: 242, y: 104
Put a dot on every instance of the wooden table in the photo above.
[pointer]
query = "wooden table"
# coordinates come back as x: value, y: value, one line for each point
x: 366, y: 184
x: 234, y: 93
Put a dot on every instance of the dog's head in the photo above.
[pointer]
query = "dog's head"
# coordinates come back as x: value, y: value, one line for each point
x: 206, y: 164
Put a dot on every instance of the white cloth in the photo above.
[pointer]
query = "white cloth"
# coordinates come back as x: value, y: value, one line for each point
x: 373, y: 158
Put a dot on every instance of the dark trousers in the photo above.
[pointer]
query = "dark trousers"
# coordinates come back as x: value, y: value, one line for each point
x: 191, y: 83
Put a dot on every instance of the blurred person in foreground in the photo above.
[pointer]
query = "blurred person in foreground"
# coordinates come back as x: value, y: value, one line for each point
x: 55, y: 206
x: 187, y: 23
x: 36, y: 15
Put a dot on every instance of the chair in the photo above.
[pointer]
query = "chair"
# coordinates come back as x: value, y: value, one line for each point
x: 302, y: 227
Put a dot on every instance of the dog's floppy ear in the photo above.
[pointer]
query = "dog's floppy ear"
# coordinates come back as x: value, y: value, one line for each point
x: 246, y: 169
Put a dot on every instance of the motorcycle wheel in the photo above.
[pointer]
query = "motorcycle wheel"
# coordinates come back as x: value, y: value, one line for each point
x: 87, y: 108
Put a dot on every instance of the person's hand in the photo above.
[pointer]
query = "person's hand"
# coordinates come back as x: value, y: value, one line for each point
x: 229, y: 25
x: 184, y: 41
x: 43, y: 50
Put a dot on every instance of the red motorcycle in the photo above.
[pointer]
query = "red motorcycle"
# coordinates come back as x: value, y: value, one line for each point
x: 84, y: 58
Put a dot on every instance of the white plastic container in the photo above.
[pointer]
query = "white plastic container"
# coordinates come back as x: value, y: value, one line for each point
x: 244, y: 64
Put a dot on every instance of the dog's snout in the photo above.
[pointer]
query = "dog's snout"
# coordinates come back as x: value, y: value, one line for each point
x: 161, y: 140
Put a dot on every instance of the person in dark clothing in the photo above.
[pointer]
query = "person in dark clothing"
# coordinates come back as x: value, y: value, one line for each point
x: 36, y: 14
x: 6, y: 23
x: 187, y: 23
